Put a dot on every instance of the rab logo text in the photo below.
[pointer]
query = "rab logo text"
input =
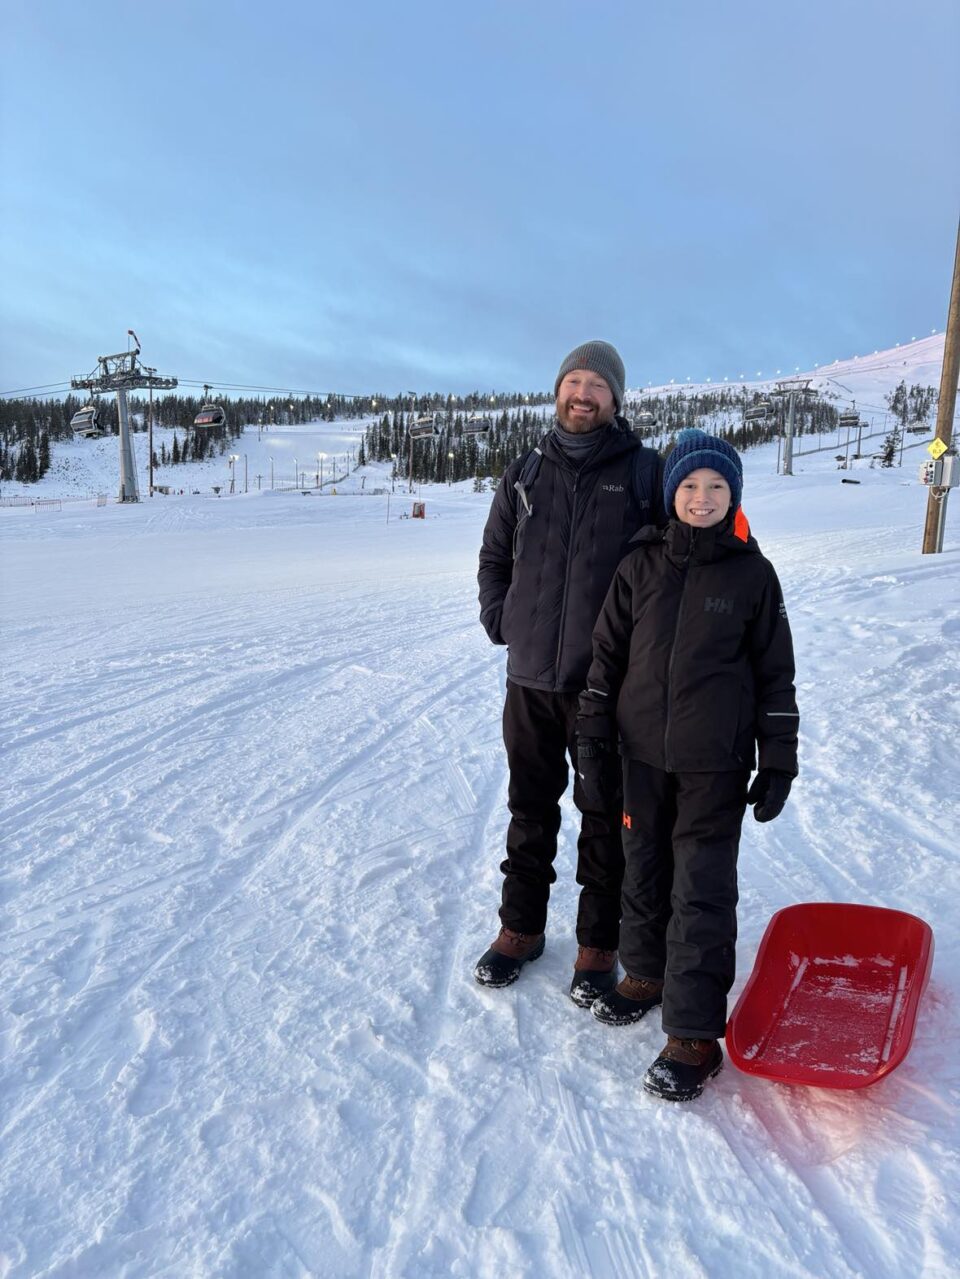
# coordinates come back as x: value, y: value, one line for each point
x: 612, y: 488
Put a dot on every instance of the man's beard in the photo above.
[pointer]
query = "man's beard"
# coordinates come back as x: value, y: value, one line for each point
x: 580, y: 424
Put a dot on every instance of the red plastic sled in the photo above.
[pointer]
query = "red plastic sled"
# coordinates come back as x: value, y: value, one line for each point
x: 832, y: 999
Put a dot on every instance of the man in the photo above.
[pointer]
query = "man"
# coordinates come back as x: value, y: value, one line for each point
x: 560, y: 523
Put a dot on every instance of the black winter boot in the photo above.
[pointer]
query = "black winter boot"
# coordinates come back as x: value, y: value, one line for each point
x: 632, y: 999
x: 682, y: 1068
x: 594, y: 974
x: 501, y: 964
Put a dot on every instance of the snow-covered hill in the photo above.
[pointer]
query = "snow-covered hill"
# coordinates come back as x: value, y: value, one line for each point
x: 288, y: 455
x: 253, y: 805
x: 863, y: 378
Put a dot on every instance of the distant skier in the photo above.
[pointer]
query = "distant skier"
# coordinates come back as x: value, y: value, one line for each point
x: 692, y: 669
x: 560, y: 522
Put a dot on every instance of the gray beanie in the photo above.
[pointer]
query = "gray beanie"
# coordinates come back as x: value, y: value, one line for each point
x: 597, y: 357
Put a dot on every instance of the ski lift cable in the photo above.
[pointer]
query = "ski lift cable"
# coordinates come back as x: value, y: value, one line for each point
x: 279, y: 390
x: 23, y: 390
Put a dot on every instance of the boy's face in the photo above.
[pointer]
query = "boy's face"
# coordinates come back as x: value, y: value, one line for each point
x: 702, y: 498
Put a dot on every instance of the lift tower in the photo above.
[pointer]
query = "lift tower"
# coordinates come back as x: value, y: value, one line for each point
x: 123, y: 373
x: 794, y: 389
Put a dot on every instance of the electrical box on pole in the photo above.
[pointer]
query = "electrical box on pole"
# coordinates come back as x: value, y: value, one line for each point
x: 122, y: 373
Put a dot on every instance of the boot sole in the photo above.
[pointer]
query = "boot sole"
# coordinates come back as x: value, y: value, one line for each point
x: 683, y: 1096
x: 512, y: 976
x: 622, y: 1019
x: 585, y: 996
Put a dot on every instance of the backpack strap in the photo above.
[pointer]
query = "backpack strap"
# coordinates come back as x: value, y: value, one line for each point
x: 528, y: 473
x: 644, y: 497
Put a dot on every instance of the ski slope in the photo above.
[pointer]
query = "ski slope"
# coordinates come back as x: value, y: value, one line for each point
x: 253, y: 804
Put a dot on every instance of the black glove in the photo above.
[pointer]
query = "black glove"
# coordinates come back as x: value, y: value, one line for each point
x: 769, y: 792
x: 598, y: 775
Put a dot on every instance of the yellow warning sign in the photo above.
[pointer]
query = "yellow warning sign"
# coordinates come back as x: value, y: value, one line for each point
x: 937, y: 449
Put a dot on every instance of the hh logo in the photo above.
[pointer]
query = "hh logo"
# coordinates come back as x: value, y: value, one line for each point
x: 715, y: 604
x: 628, y: 821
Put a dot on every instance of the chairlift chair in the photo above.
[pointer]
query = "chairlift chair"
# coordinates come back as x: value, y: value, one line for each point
x: 425, y: 425
x: 477, y: 424
x: 210, y: 415
x: 86, y: 422
x: 758, y: 412
x: 642, y: 420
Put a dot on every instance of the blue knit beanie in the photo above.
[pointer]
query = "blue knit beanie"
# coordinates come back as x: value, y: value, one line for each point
x: 695, y: 448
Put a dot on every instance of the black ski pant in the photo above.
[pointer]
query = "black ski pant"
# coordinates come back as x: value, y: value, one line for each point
x: 539, y: 731
x: 681, y: 835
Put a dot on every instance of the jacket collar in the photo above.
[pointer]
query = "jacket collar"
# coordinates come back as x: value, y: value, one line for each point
x: 613, y: 439
x: 688, y: 545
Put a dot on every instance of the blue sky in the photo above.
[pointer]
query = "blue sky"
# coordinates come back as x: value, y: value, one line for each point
x: 373, y: 196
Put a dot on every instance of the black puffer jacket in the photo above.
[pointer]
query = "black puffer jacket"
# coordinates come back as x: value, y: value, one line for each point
x: 544, y: 574
x: 693, y: 647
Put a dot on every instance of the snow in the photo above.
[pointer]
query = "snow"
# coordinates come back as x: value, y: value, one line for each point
x: 253, y: 806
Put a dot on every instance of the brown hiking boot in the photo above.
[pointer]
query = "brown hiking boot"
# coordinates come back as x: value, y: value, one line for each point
x: 628, y: 1002
x: 594, y: 974
x: 501, y: 964
x: 683, y: 1067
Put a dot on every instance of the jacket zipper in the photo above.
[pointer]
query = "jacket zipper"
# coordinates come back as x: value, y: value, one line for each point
x: 566, y: 581
x: 673, y: 648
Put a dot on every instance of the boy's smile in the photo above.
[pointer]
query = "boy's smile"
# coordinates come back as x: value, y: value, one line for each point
x: 702, y: 498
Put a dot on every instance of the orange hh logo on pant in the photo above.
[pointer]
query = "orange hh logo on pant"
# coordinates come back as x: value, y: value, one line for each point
x: 627, y: 821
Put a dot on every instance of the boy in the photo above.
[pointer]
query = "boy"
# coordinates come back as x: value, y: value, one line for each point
x: 693, y: 668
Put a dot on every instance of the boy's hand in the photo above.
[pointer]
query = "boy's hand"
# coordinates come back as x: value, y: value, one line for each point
x: 598, y: 774
x: 769, y: 793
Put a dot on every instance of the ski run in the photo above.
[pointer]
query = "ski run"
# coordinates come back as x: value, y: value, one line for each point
x: 254, y: 800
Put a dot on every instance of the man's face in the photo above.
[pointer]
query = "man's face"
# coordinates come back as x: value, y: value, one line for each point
x: 584, y: 402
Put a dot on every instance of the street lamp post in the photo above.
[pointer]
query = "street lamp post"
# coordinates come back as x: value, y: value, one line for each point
x: 234, y: 459
x: 271, y: 470
x: 413, y: 409
x: 449, y: 469
x: 296, y: 473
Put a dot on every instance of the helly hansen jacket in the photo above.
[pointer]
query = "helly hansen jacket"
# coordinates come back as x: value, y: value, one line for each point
x: 546, y: 562
x: 693, y: 649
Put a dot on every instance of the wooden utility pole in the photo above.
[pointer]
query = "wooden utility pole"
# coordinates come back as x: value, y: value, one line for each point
x: 937, y: 497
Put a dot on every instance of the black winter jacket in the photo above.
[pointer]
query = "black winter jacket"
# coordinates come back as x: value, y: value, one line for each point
x: 544, y: 573
x: 693, y: 648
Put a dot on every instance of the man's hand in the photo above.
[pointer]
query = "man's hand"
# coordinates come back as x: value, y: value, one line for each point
x: 599, y: 783
x: 769, y: 793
